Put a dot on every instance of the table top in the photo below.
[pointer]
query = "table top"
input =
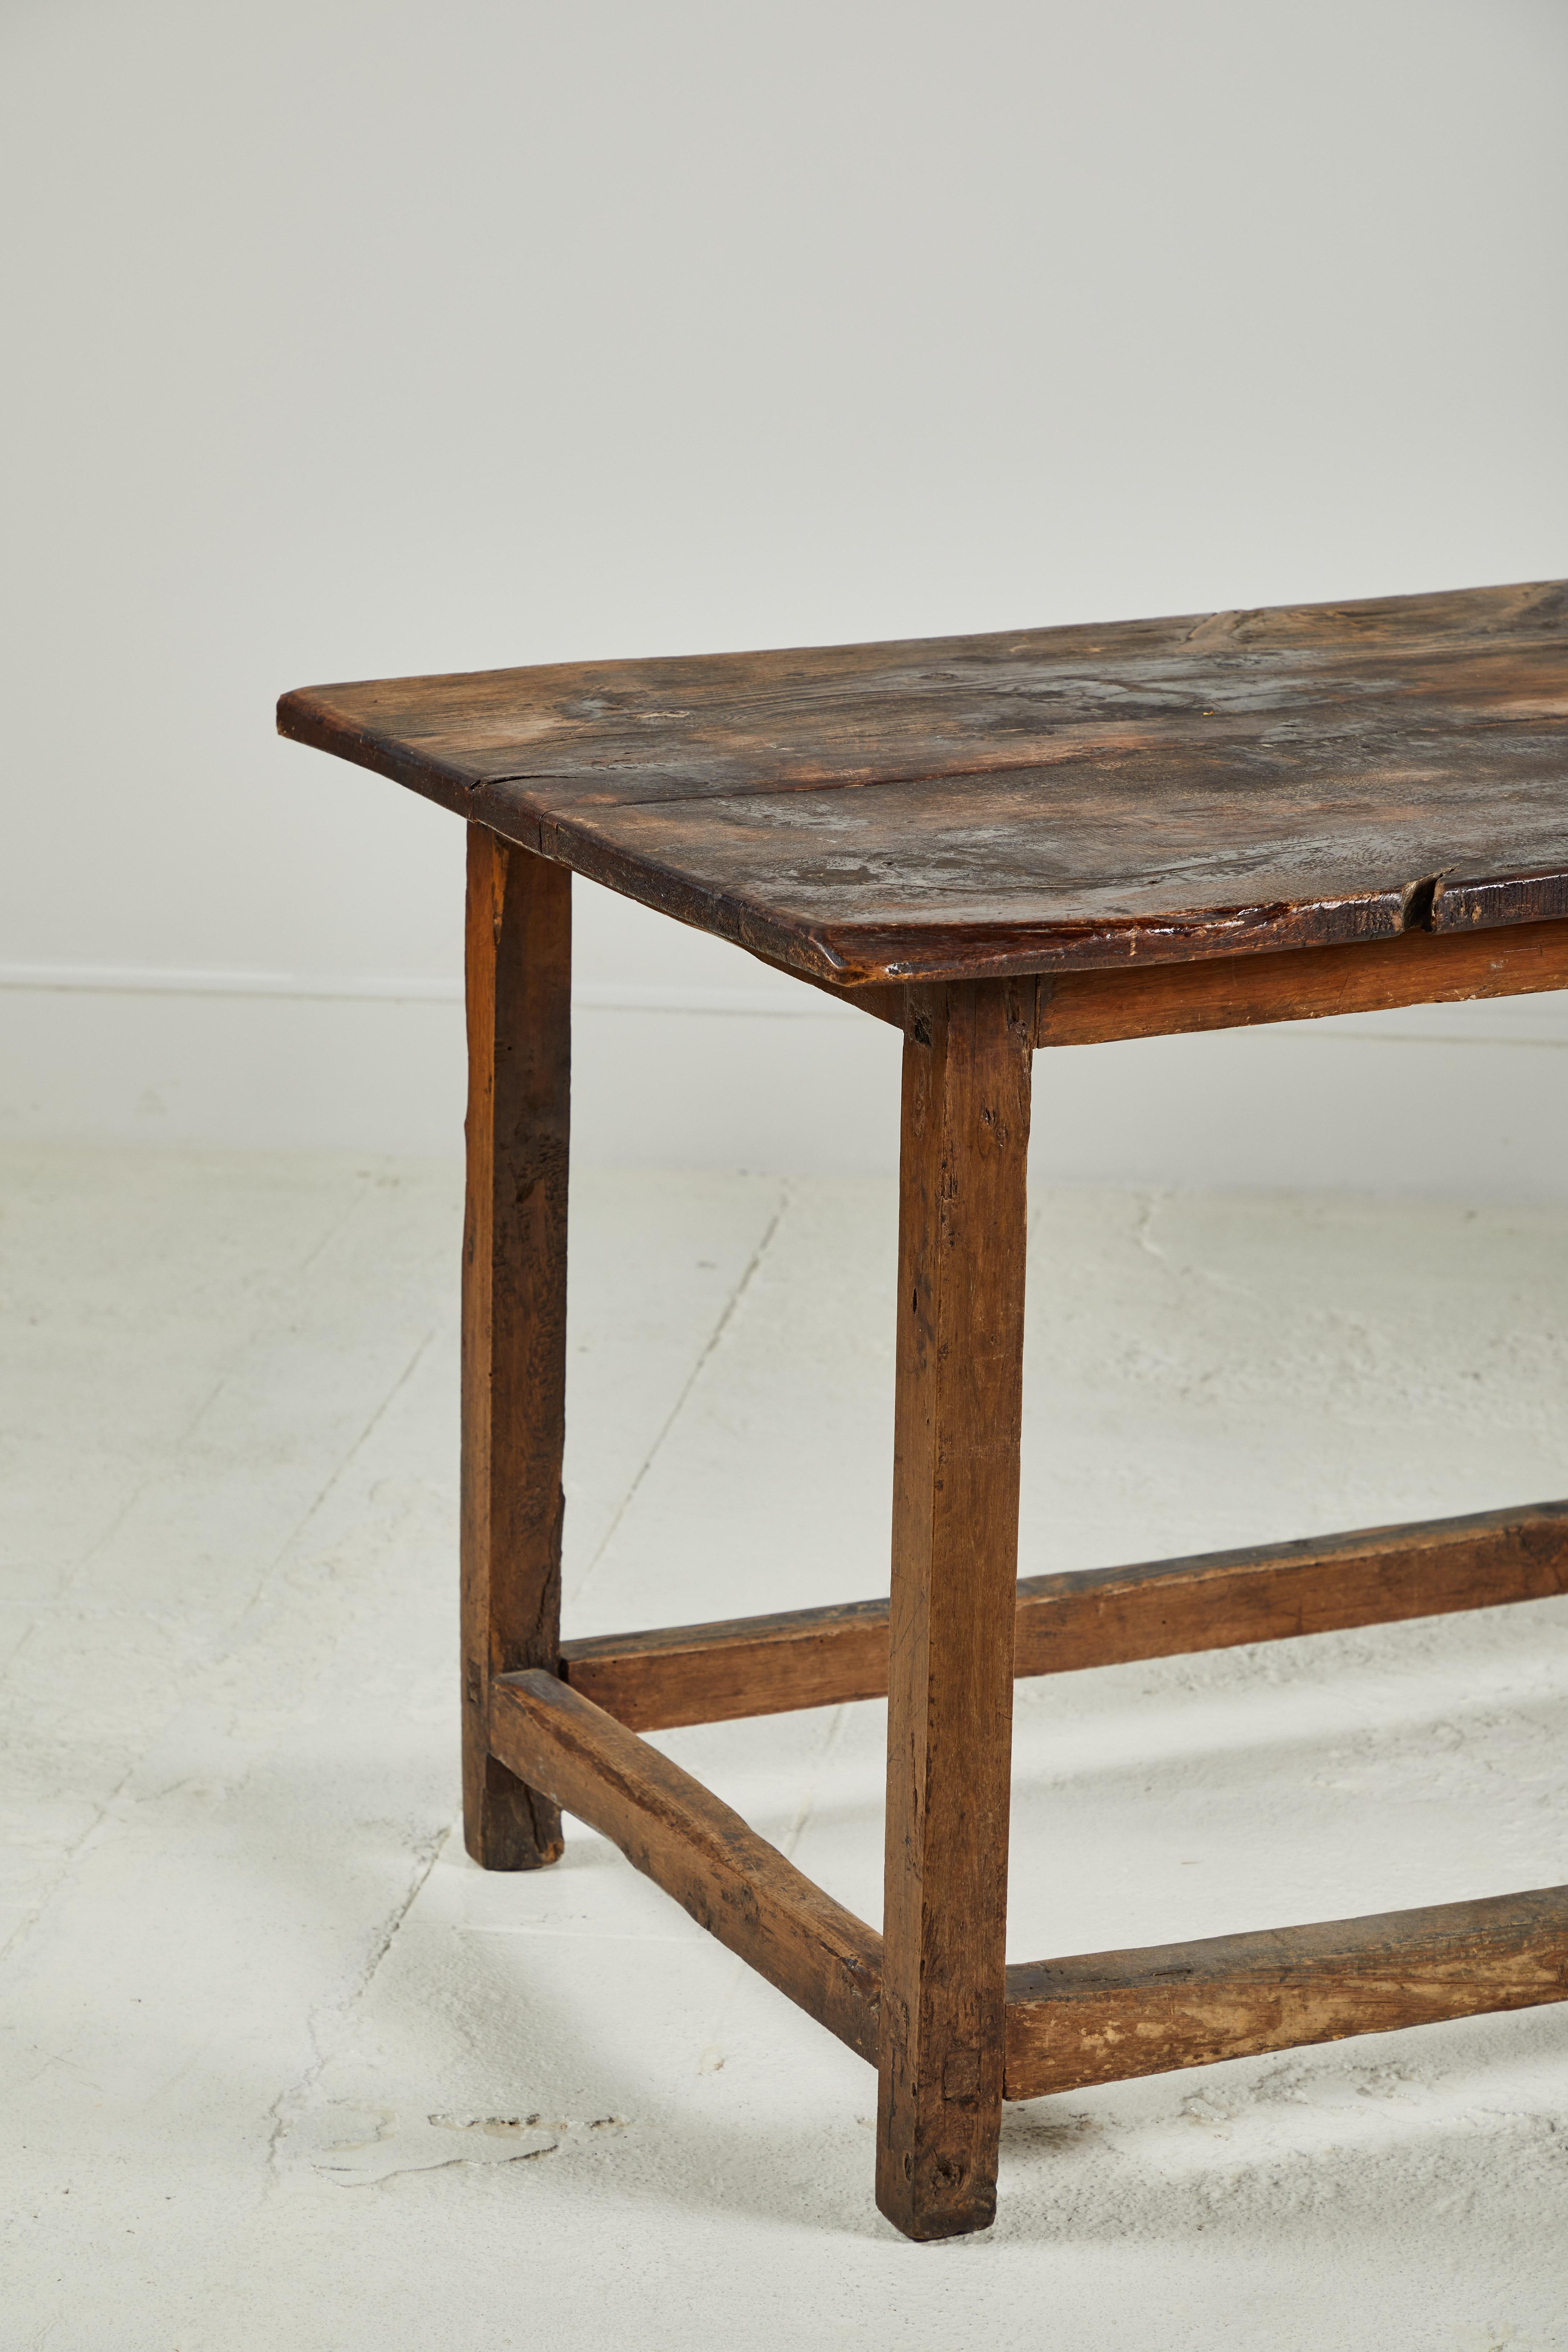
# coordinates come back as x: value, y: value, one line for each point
x: 1037, y: 800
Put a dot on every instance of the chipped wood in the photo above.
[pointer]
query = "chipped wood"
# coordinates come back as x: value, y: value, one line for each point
x: 1105, y: 2016
x: 1138, y: 793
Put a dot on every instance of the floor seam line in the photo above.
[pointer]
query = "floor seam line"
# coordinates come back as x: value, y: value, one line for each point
x: 297, y: 1529
x: 717, y: 1334
x: 79, y: 1568
x: 18, y: 1939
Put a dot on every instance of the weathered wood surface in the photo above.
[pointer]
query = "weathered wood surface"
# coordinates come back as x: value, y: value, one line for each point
x: 729, y: 1880
x: 738, y: 1667
x: 1240, y: 991
x: 1093, y: 1008
x: 962, y: 1217
x: 1105, y: 2016
x: 1090, y: 1617
x: 519, y: 964
x: 1051, y: 800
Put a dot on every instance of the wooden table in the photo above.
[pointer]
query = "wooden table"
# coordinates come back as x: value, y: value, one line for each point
x: 1001, y: 843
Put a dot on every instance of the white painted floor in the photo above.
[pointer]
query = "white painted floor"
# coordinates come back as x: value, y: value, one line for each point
x: 283, y: 2071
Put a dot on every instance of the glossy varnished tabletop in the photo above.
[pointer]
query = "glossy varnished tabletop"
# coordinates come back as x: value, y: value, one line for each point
x: 1036, y: 800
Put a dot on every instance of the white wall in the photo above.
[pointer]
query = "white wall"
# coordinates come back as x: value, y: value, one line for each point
x: 347, y: 340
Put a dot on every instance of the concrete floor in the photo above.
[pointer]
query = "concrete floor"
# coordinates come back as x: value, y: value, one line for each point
x: 282, y: 2070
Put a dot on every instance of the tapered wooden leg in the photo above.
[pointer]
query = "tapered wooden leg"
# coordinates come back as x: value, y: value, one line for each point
x: 962, y: 1229
x: 519, y: 962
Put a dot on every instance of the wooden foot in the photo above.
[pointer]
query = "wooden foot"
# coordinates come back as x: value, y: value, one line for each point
x: 519, y: 960
x: 962, y: 1229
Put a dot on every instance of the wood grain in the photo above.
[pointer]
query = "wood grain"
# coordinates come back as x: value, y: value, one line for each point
x: 1105, y: 2016
x: 1053, y: 799
x: 678, y: 726
x: 1091, y: 1617
x: 1083, y: 865
x: 729, y: 1880
x: 1093, y: 1008
x: 963, y: 1219
x: 518, y: 975
x: 737, y: 1667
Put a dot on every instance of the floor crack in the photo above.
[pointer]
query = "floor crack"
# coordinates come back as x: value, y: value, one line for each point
x: 1150, y: 1206
x: 324, y: 2039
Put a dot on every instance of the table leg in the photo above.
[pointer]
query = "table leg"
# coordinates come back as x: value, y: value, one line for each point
x: 962, y: 1229
x: 518, y: 965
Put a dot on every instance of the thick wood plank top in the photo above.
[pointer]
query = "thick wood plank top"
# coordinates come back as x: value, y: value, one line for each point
x: 1034, y: 801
